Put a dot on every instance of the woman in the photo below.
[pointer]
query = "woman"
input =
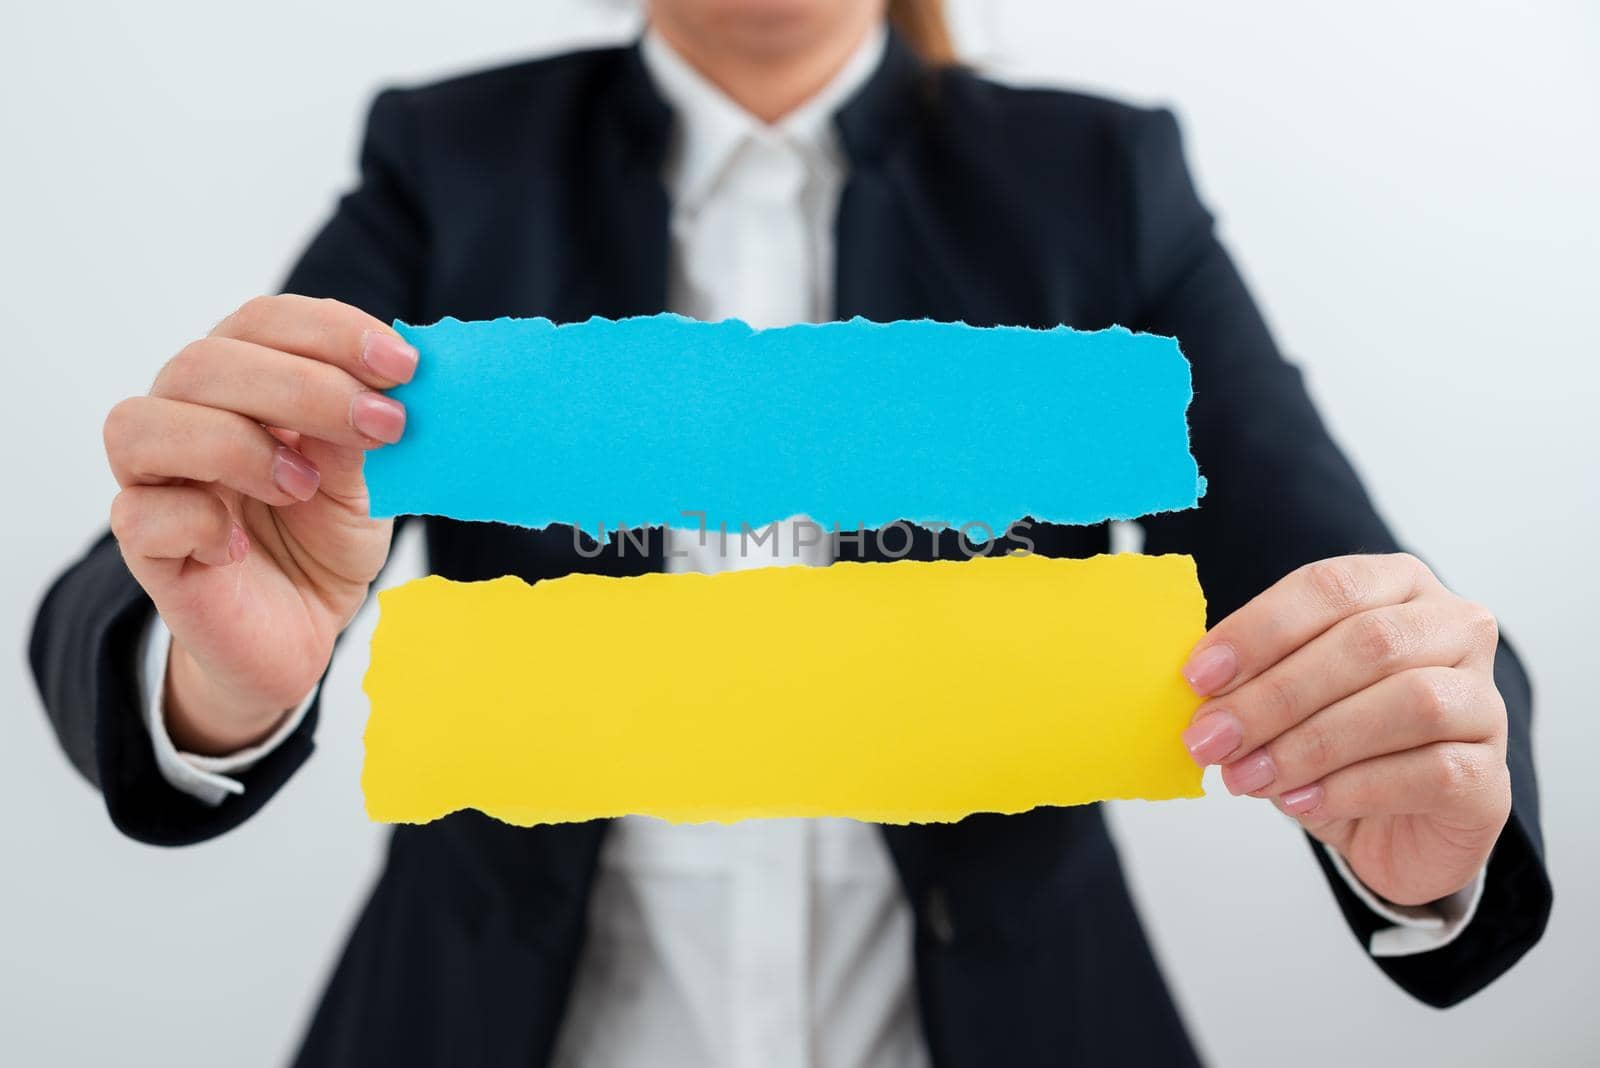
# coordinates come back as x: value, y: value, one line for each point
x: 778, y: 160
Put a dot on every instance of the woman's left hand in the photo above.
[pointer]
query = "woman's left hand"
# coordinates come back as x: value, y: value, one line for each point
x: 1358, y: 694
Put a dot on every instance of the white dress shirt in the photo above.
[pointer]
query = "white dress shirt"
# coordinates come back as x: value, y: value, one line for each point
x: 768, y: 942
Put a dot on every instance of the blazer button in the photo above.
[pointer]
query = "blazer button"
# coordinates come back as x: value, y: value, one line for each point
x: 936, y: 914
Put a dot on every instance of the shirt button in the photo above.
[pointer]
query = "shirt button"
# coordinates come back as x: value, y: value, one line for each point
x: 936, y: 914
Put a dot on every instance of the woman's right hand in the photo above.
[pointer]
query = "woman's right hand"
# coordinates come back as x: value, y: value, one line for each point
x: 243, y: 512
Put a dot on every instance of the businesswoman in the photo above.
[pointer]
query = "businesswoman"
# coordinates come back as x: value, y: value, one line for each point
x: 778, y: 160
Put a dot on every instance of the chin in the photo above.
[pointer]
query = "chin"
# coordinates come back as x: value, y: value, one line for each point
x: 758, y: 25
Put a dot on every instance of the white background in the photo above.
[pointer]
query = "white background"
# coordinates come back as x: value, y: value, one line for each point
x: 1411, y: 189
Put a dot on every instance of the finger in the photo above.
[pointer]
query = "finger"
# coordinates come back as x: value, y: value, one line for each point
x: 152, y: 440
x: 175, y: 523
x: 281, y: 390
x: 325, y: 330
x: 1354, y: 654
x: 340, y: 468
x: 1444, y: 777
x: 1404, y: 711
x: 1296, y: 609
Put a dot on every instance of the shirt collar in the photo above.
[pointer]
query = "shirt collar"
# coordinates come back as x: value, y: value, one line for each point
x: 711, y: 126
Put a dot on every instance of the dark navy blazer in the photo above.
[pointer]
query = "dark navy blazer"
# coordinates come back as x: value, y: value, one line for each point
x: 535, y: 190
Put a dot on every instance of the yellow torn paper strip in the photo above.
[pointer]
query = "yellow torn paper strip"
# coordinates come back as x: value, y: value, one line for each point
x: 903, y: 692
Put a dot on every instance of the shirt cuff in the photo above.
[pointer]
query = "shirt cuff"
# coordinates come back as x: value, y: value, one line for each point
x: 1417, y: 928
x: 206, y: 778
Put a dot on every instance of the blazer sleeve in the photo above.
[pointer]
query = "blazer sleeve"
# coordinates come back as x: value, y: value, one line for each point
x: 85, y: 635
x: 1281, y: 494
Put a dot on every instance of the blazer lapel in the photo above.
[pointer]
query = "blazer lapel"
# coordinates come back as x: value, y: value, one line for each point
x: 614, y: 229
x: 888, y: 266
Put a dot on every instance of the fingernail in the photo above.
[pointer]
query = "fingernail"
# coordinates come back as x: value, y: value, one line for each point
x: 1211, y: 669
x: 1213, y: 737
x: 378, y: 417
x: 238, y: 544
x: 294, y: 474
x: 1250, y: 773
x: 387, y: 356
x: 1299, y: 802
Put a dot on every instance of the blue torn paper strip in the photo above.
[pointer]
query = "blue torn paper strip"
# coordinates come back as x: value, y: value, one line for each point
x: 647, y: 421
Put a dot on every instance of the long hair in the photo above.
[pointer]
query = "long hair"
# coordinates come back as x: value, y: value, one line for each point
x: 923, y: 25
